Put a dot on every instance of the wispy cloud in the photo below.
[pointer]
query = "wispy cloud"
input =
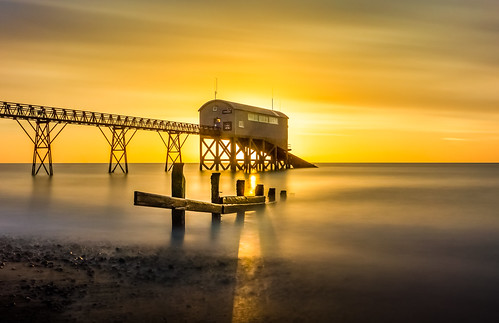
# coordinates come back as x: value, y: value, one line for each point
x: 455, y: 139
x: 341, y: 66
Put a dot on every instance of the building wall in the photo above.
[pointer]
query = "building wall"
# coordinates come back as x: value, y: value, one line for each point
x: 208, y: 115
x: 241, y: 123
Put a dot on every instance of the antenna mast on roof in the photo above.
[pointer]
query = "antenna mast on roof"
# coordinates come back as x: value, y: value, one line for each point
x: 272, y: 99
x: 216, y: 87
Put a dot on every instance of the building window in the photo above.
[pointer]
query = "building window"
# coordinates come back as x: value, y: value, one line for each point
x: 252, y: 116
x: 227, y: 125
x: 263, y: 118
x: 216, y: 122
x: 273, y: 120
x: 215, y: 108
x: 241, y: 124
x: 227, y: 111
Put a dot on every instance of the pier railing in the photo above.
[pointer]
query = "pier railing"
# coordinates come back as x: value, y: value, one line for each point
x: 37, y: 112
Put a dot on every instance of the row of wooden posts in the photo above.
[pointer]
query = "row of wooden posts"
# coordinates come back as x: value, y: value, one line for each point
x: 219, y: 204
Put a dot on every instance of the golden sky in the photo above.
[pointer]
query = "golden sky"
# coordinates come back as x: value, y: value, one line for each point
x: 361, y: 80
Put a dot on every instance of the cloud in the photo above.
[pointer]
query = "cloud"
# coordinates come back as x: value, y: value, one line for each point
x: 455, y: 139
x: 438, y: 55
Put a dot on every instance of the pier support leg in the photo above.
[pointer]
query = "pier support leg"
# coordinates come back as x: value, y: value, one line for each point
x: 233, y: 155
x: 173, y: 149
x: 207, y: 153
x: 118, y: 143
x: 118, y: 150
x: 42, y: 152
x: 217, y: 154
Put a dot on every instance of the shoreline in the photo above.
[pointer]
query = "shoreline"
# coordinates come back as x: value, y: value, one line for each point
x: 48, y: 281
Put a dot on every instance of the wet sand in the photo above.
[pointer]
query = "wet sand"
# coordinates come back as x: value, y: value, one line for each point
x: 54, y: 281
x: 60, y: 281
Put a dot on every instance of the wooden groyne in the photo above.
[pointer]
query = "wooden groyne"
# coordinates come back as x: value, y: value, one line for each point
x: 219, y: 204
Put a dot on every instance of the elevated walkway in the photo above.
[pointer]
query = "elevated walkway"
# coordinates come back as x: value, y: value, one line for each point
x: 43, y: 124
x: 220, y: 149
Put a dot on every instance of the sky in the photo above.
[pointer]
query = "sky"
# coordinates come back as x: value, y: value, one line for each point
x: 361, y: 80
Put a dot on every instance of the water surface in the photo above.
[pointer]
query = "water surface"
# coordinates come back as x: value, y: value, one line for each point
x: 397, y: 241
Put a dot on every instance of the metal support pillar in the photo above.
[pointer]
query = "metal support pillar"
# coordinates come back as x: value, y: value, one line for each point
x: 118, y: 150
x: 233, y: 155
x: 173, y: 149
x: 236, y: 153
x: 207, y: 152
x: 217, y: 154
x: 42, y: 152
x: 118, y: 143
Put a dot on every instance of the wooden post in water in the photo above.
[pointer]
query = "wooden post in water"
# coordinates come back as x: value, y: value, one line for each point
x: 284, y: 195
x: 215, y: 195
x: 240, y: 187
x: 240, y: 192
x: 178, y: 190
x: 259, y: 190
x: 272, y: 194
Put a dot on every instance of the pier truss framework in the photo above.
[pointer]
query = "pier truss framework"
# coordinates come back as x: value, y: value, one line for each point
x: 241, y: 153
x: 46, y: 123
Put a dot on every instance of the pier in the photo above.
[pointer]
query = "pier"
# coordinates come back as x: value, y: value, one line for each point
x: 232, y: 135
x: 46, y: 123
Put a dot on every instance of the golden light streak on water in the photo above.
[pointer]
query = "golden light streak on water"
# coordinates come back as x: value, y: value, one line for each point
x: 247, y: 293
x: 252, y: 185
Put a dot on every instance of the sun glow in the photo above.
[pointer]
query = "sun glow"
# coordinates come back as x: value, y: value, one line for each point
x: 380, y: 86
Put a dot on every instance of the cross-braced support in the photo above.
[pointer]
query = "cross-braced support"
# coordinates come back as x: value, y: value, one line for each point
x: 42, y: 152
x: 216, y: 153
x: 118, y: 143
x: 173, y: 149
x: 238, y: 153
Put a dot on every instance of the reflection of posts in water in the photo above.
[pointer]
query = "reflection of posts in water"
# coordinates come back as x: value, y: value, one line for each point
x: 240, y: 192
x: 215, y: 195
x: 240, y: 218
x: 178, y: 190
x: 177, y: 238
x: 215, y: 229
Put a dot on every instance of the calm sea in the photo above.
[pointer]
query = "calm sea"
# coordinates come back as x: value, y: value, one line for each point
x: 420, y: 234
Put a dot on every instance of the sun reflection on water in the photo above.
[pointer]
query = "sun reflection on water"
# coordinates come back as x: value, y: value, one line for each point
x: 252, y: 183
x: 246, y: 305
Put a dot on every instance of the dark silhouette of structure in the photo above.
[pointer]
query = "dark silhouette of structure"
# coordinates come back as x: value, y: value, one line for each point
x: 250, y: 138
x: 239, y: 137
x: 48, y: 122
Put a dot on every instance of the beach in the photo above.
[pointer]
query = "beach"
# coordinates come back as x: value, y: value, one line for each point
x: 352, y: 243
x: 47, y: 281
x: 54, y: 281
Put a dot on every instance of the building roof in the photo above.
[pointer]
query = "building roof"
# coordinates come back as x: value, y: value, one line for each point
x: 244, y: 107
